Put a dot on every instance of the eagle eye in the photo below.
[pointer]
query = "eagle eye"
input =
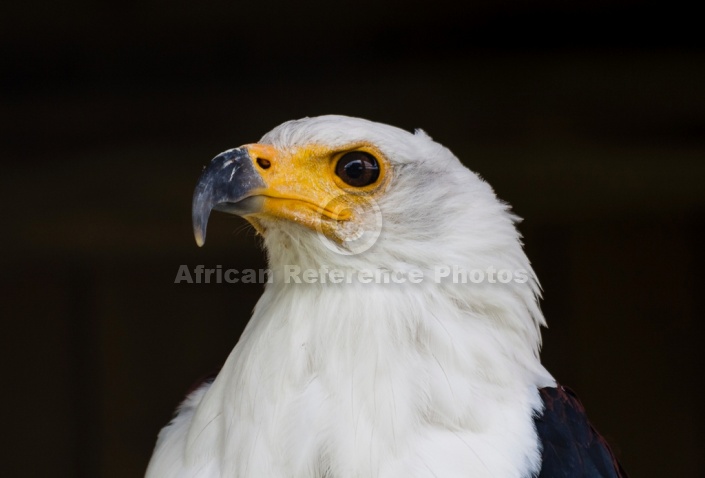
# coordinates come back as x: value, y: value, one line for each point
x: 357, y: 169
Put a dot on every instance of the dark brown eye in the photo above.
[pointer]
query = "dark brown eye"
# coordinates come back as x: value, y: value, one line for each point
x: 357, y: 169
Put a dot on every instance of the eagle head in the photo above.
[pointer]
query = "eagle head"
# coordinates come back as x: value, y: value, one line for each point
x: 347, y: 192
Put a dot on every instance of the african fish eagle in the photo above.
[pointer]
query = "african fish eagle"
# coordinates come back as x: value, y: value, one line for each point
x: 384, y: 345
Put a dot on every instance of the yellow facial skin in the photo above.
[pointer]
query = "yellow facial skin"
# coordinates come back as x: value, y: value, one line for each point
x: 302, y: 187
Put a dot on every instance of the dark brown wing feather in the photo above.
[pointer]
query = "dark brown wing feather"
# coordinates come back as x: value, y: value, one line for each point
x: 571, y: 447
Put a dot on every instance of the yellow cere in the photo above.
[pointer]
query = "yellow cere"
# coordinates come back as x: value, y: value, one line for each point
x: 301, y: 186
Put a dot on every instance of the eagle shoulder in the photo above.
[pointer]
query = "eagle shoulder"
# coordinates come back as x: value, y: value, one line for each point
x: 571, y: 447
x: 168, y: 457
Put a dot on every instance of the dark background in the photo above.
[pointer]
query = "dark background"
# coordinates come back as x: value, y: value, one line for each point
x: 588, y: 117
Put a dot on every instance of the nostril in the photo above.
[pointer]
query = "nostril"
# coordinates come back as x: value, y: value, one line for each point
x: 264, y: 163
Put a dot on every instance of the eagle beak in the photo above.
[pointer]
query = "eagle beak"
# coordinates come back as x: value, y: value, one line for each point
x: 229, y: 184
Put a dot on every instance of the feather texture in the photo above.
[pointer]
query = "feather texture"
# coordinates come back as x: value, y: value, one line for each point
x: 570, y: 445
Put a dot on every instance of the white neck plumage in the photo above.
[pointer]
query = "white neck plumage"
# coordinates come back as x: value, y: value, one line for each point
x: 342, y: 378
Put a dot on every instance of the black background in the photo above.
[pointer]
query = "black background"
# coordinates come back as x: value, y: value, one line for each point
x: 588, y: 117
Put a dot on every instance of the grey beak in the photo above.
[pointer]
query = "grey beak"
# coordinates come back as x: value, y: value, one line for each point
x: 225, y: 183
